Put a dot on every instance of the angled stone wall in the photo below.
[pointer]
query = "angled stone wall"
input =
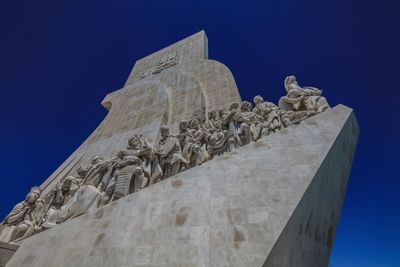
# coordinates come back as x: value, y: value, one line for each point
x: 308, y: 236
x: 272, y: 202
x: 6, y: 252
x: 162, y: 89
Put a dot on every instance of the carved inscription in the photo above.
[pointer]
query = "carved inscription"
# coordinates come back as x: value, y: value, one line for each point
x: 164, y: 63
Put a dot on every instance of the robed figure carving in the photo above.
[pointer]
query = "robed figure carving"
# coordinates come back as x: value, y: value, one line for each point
x: 302, y: 98
x: 170, y: 154
x: 24, y: 218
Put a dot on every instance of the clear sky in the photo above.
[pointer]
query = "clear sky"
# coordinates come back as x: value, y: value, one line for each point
x: 58, y: 59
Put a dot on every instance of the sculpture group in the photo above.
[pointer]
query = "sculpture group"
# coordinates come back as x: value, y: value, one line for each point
x: 141, y: 164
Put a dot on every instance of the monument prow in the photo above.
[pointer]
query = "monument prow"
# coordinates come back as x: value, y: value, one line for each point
x: 181, y: 172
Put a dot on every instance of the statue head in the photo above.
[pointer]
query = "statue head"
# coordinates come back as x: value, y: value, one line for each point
x: 164, y: 131
x: 134, y: 142
x: 66, y: 185
x: 195, y: 124
x: 234, y: 106
x: 290, y: 80
x: 33, y: 195
x: 258, y: 99
x: 183, y: 125
x: 212, y: 114
x: 82, y: 170
x: 199, y: 116
x: 246, y: 106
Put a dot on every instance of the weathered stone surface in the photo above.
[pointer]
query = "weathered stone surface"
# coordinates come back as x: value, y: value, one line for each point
x: 308, y: 236
x: 204, y: 132
x: 273, y: 202
x: 6, y: 252
x: 191, y: 84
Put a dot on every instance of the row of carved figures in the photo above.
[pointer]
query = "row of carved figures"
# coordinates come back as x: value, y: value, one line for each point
x: 141, y: 164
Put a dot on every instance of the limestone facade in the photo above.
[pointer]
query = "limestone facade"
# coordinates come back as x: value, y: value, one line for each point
x: 197, y: 176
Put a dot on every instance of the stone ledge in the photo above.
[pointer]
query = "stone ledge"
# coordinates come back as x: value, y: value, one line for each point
x: 6, y: 252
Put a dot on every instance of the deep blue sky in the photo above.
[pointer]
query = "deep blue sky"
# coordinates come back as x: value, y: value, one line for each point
x: 58, y: 59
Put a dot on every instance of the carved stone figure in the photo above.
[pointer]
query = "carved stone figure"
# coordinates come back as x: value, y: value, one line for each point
x: 253, y: 119
x: 86, y: 198
x: 269, y: 113
x: 170, y: 154
x: 183, y: 133
x: 76, y: 196
x: 141, y: 147
x: 302, y: 98
x: 194, y: 151
x: 290, y: 117
x: 140, y: 164
x: 262, y: 108
x: 21, y: 218
x: 34, y: 226
x: 82, y: 171
x: 213, y: 124
x: 273, y: 122
x: 220, y: 120
x: 60, y: 195
x: 200, y: 117
x: 134, y: 168
x: 218, y: 142
x: 126, y: 178
x: 239, y: 125
x: 96, y: 172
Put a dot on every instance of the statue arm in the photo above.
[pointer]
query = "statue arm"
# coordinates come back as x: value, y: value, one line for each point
x: 17, y: 214
x: 271, y: 106
x: 312, y: 91
x: 226, y: 119
x: 59, y: 197
x: 147, y: 150
x: 240, y: 118
x: 207, y: 137
x: 292, y: 100
x: 147, y: 144
x: 150, y: 150
x: 200, y: 137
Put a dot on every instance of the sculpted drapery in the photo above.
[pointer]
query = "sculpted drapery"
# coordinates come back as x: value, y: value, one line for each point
x: 140, y: 164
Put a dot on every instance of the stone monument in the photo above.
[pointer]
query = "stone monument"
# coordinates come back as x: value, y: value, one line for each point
x: 181, y: 172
